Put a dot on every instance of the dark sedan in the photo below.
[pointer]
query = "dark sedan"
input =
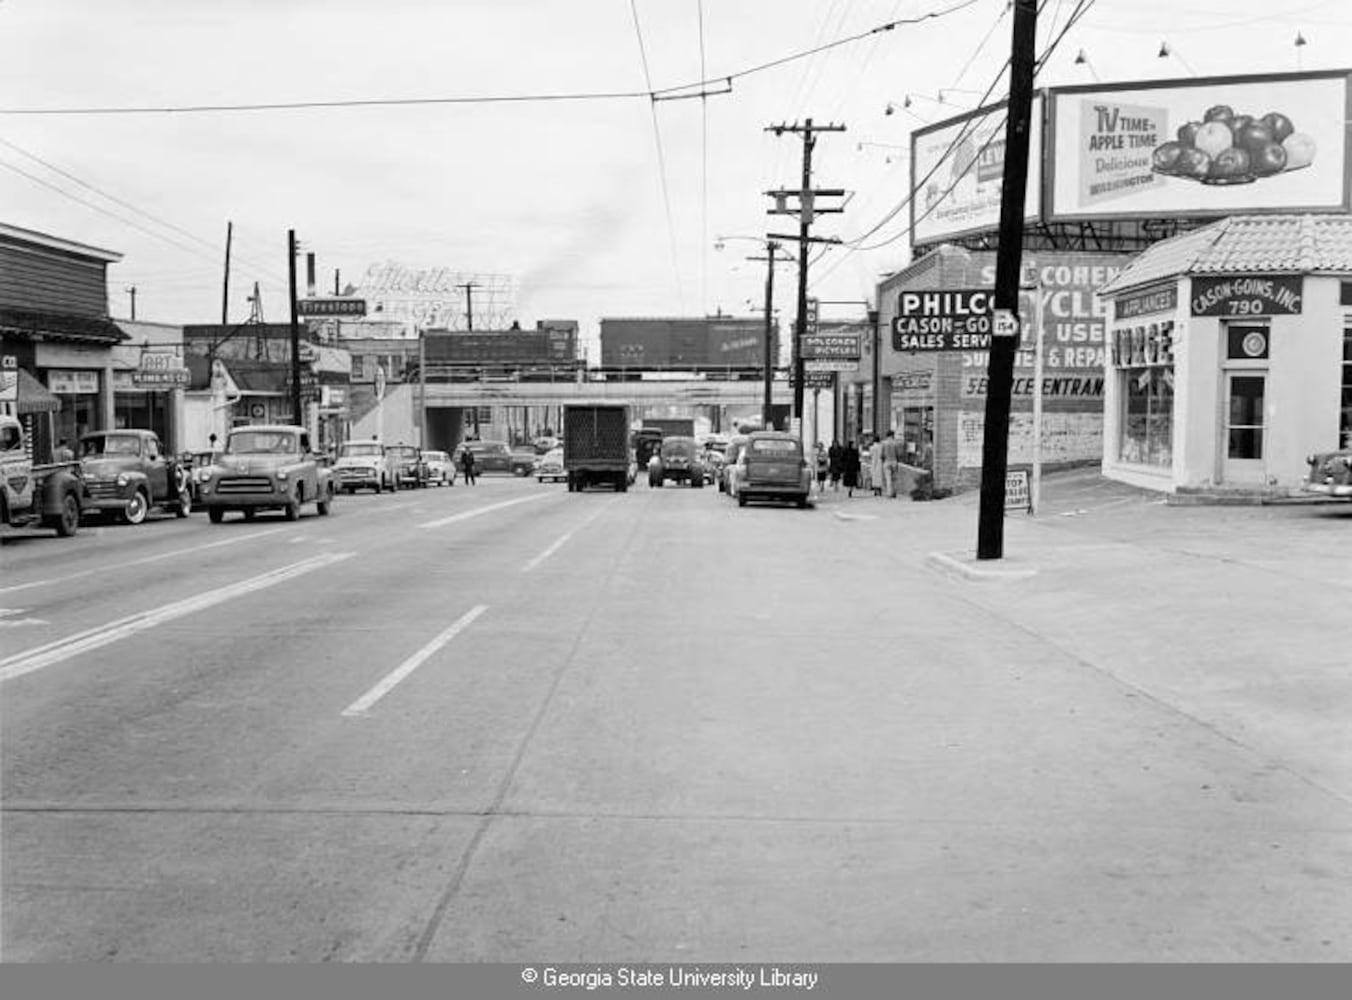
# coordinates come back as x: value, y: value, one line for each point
x: 772, y: 467
x: 496, y: 456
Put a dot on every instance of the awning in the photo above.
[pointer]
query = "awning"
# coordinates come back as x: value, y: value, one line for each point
x: 31, y: 323
x: 34, y: 397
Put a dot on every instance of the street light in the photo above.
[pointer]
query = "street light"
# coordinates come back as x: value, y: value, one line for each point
x: 1167, y: 50
x: 1083, y: 60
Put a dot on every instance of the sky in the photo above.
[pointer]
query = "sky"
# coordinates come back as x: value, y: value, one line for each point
x: 587, y: 196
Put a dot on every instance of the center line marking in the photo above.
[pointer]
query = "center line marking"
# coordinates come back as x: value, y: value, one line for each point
x: 563, y: 540
x: 103, y: 635
x: 363, y: 704
x: 466, y: 515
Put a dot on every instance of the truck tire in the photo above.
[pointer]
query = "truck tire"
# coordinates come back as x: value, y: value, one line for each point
x: 215, y: 515
x: 137, y: 508
x: 183, y: 506
x: 741, y: 499
x: 67, y: 522
x: 325, y: 500
x: 292, y: 509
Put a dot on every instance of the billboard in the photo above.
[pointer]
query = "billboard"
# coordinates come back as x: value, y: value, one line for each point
x: 1214, y: 146
x: 957, y: 173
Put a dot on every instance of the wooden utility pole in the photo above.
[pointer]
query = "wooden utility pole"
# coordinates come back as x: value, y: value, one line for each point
x: 771, y: 255
x: 131, y: 291
x: 297, y: 416
x: 225, y: 294
x: 806, y: 211
x: 1008, y: 261
x: 469, y: 287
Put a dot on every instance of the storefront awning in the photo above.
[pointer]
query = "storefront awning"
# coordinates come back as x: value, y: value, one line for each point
x: 33, y: 324
x: 34, y: 396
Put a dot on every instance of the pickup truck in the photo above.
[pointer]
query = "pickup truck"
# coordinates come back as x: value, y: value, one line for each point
x: 364, y: 465
x: 36, y: 496
x: 266, y: 467
x: 127, y: 473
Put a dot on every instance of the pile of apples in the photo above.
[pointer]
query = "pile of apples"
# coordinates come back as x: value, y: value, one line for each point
x: 1227, y: 148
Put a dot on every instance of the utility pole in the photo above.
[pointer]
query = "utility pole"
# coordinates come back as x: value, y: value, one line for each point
x: 1008, y: 260
x: 225, y: 294
x: 469, y: 287
x: 771, y: 255
x: 806, y: 211
x: 131, y: 290
x: 297, y: 417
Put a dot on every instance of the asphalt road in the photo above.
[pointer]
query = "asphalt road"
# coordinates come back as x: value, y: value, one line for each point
x: 509, y: 723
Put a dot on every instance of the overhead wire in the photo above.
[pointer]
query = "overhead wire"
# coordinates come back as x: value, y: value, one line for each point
x: 854, y: 246
x: 661, y: 156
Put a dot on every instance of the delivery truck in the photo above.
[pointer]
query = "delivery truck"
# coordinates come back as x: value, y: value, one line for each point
x: 596, y: 449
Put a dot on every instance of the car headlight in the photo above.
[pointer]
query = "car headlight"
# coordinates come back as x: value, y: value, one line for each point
x: 122, y: 479
x: 281, y: 473
x: 203, y: 475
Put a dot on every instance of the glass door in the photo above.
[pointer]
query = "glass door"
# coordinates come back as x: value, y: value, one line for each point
x: 1244, y: 428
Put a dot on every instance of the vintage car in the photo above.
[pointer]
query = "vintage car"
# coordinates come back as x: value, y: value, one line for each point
x: 550, y: 466
x: 439, y: 468
x: 772, y: 467
x: 407, y: 466
x: 496, y: 456
x: 127, y: 474
x: 727, y: 472
x: 267, y: 467
x: 1330, y: 473
x: 363, y: 465
x: 679, y: 460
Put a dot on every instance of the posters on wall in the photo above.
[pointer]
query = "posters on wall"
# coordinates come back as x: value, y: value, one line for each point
x: 957, y: 173
x: 1066, y: 438
x: 1204, y: 147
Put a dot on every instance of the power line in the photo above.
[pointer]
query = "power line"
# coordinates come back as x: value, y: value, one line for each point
x: 661, y: 155
x: 664, y: 93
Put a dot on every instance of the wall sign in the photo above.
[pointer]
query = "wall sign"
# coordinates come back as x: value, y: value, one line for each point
x: 1247, y: 343
x: 1156, y: 300
x: 944, y: 321
x: 1248, y: 295
x: 72, y: 382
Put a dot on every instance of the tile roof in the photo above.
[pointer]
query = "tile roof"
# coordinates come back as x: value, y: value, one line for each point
x: 1281, y: 244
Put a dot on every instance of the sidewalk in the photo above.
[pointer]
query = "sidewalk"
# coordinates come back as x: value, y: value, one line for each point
x: 1236, y: 616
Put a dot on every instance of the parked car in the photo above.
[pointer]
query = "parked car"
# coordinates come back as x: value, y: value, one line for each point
x: 1330, y: 473
x: 772, y: 467
x: 407, y: 466
x: 363, y: 465
x: 496, y: 456
x: 550, y: 466
x: 728, y: 470
x: 197, y: 462
x: 127, y: 473
x: 439, y: 467
x: 267, y: 467
x: 678, y: 461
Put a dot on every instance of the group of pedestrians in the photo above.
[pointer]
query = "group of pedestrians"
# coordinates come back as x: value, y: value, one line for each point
x: 876, y: 466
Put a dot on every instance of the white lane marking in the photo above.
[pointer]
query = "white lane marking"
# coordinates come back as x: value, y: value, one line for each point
x: 363, y: 704
x: 141, y: 562
x: 103, y: 635
x: 7, y: 622
x: 466, y: 515
x: 564, y: 538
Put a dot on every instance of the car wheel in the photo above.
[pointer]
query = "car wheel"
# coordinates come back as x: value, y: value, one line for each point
x: 250, y: 514
x: 136, y: 509
x: 292, y: 510
x: 184, y: 506
x: 741, y: 499
x: 68, y: 519
x: 802, y: 503
x: 325, y: 502
x: 215, y: 515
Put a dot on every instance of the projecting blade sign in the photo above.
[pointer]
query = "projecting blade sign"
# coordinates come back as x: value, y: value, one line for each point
x: 945, y: 321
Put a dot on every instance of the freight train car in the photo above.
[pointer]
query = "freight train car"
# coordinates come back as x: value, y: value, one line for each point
x: 709, y: 342
x: 525, y: 347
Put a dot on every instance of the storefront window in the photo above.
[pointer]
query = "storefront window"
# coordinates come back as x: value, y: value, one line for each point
x: 1143, y: 357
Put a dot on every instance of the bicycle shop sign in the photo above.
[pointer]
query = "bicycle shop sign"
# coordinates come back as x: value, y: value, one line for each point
x: 961, y: 320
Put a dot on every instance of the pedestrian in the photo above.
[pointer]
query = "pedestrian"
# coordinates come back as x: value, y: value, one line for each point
x: 467, y: 466
x: 834, y: 456
x: 865, y: 469
x: 849, y: 467
x: 891, y: 456
x: 875, y: 466
x: 823, y: 467
x: 63, y: 451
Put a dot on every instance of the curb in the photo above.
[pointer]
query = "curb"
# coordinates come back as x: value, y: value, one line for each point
x: 968, y: 567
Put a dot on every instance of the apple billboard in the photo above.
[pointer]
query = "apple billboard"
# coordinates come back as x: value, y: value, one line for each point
x: 957, y: 174
x: 1200, y: 147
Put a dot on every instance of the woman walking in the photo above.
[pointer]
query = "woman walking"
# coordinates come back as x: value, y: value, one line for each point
x: 875, y: 466
x: 823, y: 467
